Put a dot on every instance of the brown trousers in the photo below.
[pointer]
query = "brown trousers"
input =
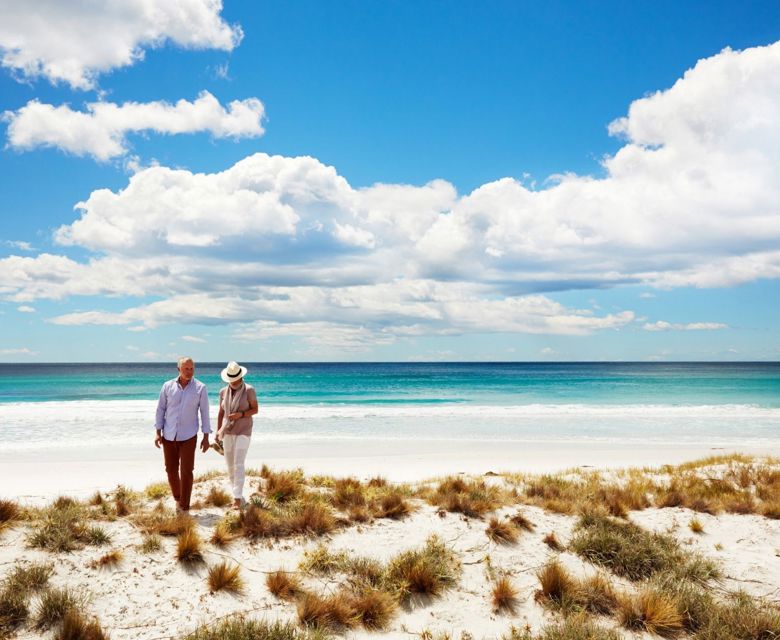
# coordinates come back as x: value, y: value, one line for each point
x: 179, y: 465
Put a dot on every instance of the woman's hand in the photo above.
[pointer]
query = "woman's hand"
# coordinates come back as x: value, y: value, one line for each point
x: 236, y: 415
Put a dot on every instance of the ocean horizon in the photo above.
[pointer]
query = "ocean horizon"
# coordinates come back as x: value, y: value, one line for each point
x: 726, y: 404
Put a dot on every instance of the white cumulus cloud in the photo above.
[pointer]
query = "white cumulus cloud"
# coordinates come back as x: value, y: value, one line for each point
x: 101, y: 130
x: 73, y: 41
x: 691, y: 199
x: 662, y: 325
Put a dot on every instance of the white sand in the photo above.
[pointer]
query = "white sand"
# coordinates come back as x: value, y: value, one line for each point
x: 39, y: 476
x: 153, y: 597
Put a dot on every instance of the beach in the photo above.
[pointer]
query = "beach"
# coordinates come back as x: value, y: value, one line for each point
x: 539, y: 445
x: 152, y: 595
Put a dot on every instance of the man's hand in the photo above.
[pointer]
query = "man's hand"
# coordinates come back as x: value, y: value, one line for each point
x: 204, y: 444
x: 158, y: 440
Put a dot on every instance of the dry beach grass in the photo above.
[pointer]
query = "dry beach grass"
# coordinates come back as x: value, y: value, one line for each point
x: 688, y: 551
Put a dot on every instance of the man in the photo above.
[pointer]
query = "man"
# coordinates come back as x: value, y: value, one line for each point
x: 181, y: 399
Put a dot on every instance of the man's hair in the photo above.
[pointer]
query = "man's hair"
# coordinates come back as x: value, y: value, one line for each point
x: 182, y: 360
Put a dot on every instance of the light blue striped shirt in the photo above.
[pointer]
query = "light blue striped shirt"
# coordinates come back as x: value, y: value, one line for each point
x: 178, y: 407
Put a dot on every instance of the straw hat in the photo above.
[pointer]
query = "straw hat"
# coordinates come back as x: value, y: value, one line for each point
x: 233, y: 372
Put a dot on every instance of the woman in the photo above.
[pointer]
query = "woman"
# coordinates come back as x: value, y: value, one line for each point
x: 237, y: 405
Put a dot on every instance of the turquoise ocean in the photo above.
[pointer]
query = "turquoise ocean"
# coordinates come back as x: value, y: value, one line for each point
x: 717, y: 404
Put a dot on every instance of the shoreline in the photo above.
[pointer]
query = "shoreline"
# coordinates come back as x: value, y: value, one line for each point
x: 35, y: 477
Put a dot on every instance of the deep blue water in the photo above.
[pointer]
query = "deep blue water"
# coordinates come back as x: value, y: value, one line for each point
x: 418, y: 383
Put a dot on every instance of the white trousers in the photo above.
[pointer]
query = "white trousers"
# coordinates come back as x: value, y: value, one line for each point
x: 236, y: 448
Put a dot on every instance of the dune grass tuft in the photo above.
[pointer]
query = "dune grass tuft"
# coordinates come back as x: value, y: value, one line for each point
x: 311, y: 518
x: 504, y: 595
x: 29, y: 578
x: 348, y: 493
x: 652, y: 611
x: 472, y: 498
x: 108, y: 560
x: 189, y: 548
x: 391, y: 504
x: 14, y: 610
x: 157, y: 490
x: 125, y: 500
x: 596, y: 595
x: 283, y: 584
x: 332, y: 611
x: 96, y: 536
x: 576, y: 627
x: 238, y: 627
x: 163, y: 521
x: 225, y: 577
x: 217, y: 497
x: 222, y: 535
x: 557, y: 584
x: 502, y: 531
x: 151, y: 543
x: 632, y: 552
x: 283, y: 486
x: 53, y: 604
x: 9, y: 512
x: 428, y: 570
x: 374, y: 608
x: 62, y: 527
x: 359, y: 569
x: 75, y: 626
x: 696, y: 526
x: 551, y: 540
x: 522, y: 522
x: 741, y: 617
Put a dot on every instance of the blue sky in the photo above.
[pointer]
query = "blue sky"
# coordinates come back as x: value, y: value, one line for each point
x: 390, y: 181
